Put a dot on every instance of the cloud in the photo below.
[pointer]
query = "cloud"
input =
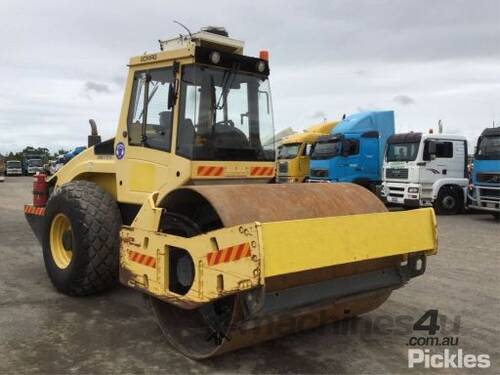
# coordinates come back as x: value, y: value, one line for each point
x: 96, y: 87
x: 318, y: 114
x: 119, y: 80
x: 404, y: 99
x: 329, y: 57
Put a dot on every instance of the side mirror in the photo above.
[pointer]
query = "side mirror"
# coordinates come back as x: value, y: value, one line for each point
x: 432, y: 148
x: 172, y: 94
x: 346, y: 147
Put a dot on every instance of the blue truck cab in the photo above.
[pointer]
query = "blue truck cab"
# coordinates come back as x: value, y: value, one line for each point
x: 484, y: 189
x: 354, y: 151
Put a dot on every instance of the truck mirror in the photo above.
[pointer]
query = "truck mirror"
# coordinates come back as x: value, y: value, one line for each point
x: 432, y: 148
x: 346, y: 147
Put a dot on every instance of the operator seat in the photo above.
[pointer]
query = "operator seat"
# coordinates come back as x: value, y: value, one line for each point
x: 162, y: 134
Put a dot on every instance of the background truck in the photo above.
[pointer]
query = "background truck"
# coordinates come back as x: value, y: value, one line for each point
x: 32, y: 163
x: 179, y: 206
x: 354, y: 151
x: 426, y: 169
x: 293, y: 155
x: 2, y: 168
x: 484, y: 188
x: 13, y: 168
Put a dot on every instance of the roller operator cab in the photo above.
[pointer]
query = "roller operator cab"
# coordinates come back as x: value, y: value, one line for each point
x: 179, y: 206
x: 354, y: 150
x: 484, y: 188
x: 426, y: 170
x: 293, y: 155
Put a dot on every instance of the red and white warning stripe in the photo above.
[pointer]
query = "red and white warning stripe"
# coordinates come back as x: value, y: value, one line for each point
x: 229, y: 254
x: 32, y: 210
x: 212, y: 171
x: 143, y: 259
x: 262, y: 171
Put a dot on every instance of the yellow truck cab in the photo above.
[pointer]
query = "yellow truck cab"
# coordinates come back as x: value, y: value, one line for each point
x: 293, y: 155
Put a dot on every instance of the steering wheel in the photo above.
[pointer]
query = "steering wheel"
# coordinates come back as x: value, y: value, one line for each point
x: 224, y: 122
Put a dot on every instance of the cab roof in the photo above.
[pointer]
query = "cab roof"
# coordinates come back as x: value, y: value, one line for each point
x: 184, y: 46
x: 312, y: 133
x: 491, y: 132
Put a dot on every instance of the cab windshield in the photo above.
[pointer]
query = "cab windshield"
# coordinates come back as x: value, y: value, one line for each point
x: 288, y: 151
x: 35, y: 163
x: 402, y: 151
x: 225, y: 115
x: 326, y: 150
x: 488, y: 148
x: 14, y: 164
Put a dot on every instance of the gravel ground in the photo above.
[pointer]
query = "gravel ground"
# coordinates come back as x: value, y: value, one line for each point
x: 42, y: 331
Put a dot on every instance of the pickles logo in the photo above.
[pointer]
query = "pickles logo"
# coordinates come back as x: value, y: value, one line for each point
x: 451, y: 356
x: 448, y: 359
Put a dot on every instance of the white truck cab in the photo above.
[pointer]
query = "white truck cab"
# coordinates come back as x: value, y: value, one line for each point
x: 424, y: 170
x: 13, y: 168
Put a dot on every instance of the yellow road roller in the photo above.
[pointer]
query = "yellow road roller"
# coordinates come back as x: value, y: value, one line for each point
x: 181, y: 207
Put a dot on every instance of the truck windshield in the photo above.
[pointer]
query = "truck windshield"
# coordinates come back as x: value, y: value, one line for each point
x: 402, y: 151
x: 326, y: 150
x: 225, y: 115
x: 35, y: 163
x: 288, y: 151
x: 488, y: 148
x: 14, y: 164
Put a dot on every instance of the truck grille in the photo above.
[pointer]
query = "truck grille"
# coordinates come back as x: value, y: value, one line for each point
x: 396, y: 173
x: 489, y: 178
x: 395, y: 191
x: 490, y: 193
x: 319, y: 173
x: 283, y: 167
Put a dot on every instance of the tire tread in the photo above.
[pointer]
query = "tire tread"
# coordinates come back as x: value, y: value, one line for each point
x: 97, y: 270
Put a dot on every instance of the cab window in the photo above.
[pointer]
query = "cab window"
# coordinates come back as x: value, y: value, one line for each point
x: 444, y: 149
x: 350, y: 147
x: 150, y: 119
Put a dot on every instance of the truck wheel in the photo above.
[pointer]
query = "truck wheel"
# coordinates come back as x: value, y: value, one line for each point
x: 448, y: 202
x: 81, y: 239
x: 496, y: 215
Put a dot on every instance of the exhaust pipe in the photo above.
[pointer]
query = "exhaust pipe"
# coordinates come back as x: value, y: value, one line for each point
x: 94, y: 138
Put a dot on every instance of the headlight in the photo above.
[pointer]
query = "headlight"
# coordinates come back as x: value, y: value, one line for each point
x: 214, y: 57
x: 413, y: 190
x: 261, y: 66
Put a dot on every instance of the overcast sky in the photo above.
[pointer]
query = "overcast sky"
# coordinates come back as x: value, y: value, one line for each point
x: 64, y: 62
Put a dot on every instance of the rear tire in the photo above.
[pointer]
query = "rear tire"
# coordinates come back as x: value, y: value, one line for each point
x: 448, y: 201
x: 81, y: 239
